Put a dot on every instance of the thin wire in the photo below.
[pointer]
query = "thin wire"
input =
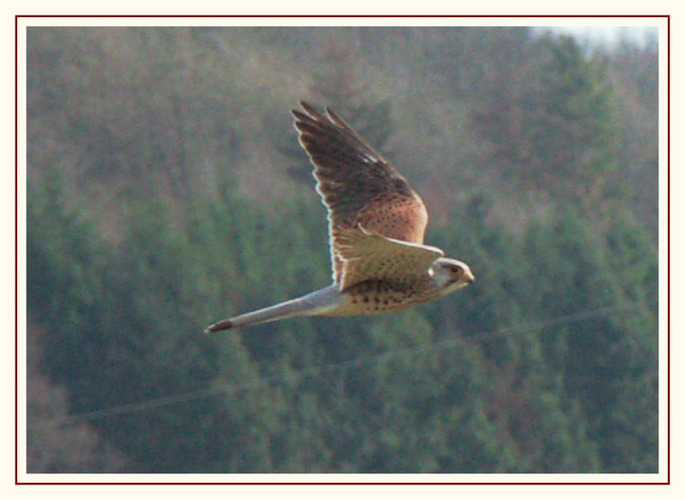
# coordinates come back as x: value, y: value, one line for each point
x: 315, y: 370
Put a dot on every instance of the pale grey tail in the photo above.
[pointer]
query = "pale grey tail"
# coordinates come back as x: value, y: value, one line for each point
x: 316, y: 303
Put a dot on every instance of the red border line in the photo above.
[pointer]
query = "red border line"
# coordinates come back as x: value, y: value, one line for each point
x: 342, y: 16
x: 16, y: 249
x: 338, y: 16
x: 668, y: 250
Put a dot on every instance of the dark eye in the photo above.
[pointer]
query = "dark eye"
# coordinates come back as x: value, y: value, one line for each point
x: 456, y: 271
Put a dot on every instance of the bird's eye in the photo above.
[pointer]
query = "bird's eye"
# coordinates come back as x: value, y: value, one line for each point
x: 455, y: 270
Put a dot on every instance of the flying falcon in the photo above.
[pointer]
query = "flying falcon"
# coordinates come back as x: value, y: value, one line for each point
x: 376, y: 227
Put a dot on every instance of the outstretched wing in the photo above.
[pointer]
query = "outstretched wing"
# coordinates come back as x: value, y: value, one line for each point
x: 357, y: 185
x: 366, y: 255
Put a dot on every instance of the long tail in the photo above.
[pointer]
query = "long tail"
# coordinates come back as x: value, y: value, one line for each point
x: 316, y: 303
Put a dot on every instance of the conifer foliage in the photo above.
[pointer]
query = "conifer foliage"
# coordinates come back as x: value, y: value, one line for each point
x: 155, y: 210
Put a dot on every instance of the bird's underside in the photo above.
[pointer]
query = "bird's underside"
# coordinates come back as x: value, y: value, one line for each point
x: 376, y: 229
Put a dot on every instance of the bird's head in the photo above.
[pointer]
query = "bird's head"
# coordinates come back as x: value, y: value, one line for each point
x: 450, y: 274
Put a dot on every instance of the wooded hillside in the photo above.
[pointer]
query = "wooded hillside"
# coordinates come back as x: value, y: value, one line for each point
x: 167, y: 190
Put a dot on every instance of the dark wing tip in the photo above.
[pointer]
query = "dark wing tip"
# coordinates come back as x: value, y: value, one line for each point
x: 300, y: 117
x: 308, y: 107
x: 226, y: 324
x: 339, y: 121
x: 313, y: 113
x: 310, y: 113
x: 308, y: 110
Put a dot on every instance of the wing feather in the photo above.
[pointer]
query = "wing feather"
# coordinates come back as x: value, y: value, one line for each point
x: 367, y: 256
x: 357, y: 185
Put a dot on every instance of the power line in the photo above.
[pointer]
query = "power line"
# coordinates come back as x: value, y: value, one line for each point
x: 315, y: 370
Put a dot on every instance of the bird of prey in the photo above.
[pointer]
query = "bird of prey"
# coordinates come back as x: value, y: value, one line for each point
x: 376, y: 228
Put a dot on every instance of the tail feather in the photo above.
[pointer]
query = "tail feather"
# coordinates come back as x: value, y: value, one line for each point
x: 225, y: 324
x: 316, y: 303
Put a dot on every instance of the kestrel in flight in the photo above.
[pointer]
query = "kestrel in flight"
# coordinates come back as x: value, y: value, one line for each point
x: 376, y: 227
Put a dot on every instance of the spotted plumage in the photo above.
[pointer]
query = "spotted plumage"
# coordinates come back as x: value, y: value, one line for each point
x: 377, y: 224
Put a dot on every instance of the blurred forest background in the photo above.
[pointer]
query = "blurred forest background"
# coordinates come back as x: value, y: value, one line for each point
x: 167, y: 190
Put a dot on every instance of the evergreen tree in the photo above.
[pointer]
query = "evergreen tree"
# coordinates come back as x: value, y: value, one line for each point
x: 557, y: 131
x: 547, y: 364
